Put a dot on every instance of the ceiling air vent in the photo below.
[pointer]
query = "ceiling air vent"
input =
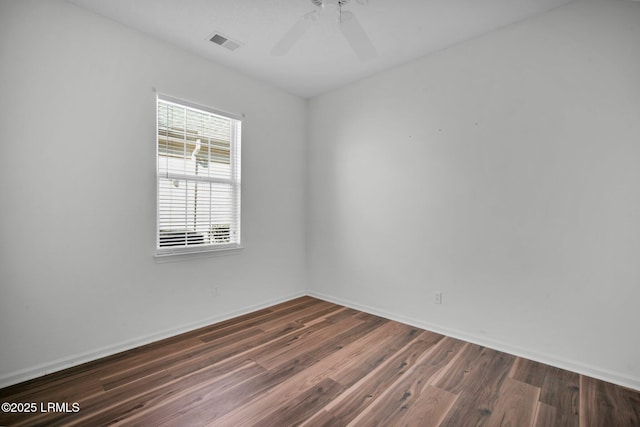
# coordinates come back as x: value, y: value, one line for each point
x: 225, y: 41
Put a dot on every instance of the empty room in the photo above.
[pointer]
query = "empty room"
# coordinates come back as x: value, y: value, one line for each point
x: 320, y: 213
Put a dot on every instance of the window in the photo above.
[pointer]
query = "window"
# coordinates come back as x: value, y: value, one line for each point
x: 198, y: 178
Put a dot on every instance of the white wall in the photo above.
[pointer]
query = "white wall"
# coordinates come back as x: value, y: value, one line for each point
x: 77, y: 191
x: 504, y: 172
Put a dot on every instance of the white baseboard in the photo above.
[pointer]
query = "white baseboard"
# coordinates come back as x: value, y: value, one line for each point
x: 569, y: 365
x: 68, y: 362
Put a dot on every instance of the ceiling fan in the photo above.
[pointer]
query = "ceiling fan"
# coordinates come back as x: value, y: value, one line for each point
x: 347, y: 23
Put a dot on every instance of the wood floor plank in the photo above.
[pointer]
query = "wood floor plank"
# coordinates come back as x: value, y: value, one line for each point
x: 284, y: 315
x: 301, y: 407
x: 198, y: 359
x: 429, y: 409
x: 213, y: 407
x: 330, y: 354
x: 192, y: 351
x: 530, y: 372
x: 68, y: 391
x: 314, y: 363
x: 322, y: 419
x: 190, y: 397
x: 453, y: 380
x: 78, y: 376
x: 146, y: 396
x: 99, y: 403
x: 363, y: 393
x: 305, y: 339
x: 560, y: 389
x: 408, y: 389
x: 516, y: 405
x: 302, y: 316
x: 226, y: 327
x: 604, y: 404
x: 344, y: 313
x: 545, y: 416
x: 369, y: 352
x: 145, y: 406
x: 477, y: 386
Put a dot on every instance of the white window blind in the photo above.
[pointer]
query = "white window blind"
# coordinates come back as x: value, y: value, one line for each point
x: 198, y: 178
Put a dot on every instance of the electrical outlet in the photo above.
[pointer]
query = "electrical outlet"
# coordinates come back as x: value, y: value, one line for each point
x: 437, y: 298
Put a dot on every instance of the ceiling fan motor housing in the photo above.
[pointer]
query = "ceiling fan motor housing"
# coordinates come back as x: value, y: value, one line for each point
x: 347, y: 23
x: 320, y: 3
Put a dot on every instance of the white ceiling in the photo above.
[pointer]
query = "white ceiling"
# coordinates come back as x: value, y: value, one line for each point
x: 401, y: 30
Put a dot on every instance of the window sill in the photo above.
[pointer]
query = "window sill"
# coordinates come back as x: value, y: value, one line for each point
x: 162, y: 257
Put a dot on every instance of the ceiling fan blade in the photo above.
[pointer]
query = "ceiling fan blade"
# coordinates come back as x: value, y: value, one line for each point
x: 357, y: 38
x: 294, y: 34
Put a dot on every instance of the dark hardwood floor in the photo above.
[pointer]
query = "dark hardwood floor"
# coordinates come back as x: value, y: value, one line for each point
x: 314, y: 363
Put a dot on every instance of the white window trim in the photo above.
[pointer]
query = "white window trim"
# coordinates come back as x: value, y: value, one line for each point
x: 193, y: 254
x: 171, y: 254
